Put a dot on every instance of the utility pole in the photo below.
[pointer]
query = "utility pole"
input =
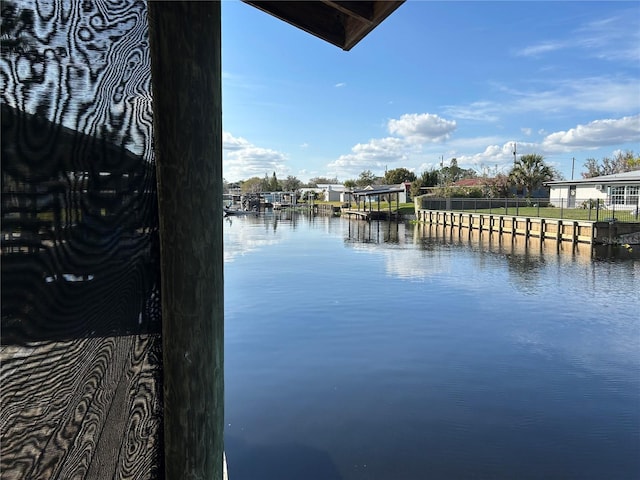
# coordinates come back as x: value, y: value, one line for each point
x: 514, y: 153
x: 573, y: 164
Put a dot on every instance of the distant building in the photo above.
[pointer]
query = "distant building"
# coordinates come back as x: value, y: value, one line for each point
x: 620, y: 190
x: 331, y: 191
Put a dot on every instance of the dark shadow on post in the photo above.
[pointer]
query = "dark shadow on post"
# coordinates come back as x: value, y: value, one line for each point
x: 186, y: 80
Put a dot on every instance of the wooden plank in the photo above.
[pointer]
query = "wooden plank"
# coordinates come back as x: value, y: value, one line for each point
x: 135, y: 437
x: 363, y: 11
x: 71, y: 404
x: 315, y: 18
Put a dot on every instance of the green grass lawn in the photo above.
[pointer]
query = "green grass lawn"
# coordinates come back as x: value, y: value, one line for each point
x: 565, y: 213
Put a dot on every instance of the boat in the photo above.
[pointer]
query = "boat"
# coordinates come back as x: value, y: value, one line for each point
x: 236, y: 211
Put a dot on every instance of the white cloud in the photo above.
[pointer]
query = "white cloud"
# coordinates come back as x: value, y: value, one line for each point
x: 526, y: 131
x: 595, y: 94
x: 229, y: 142
x: 242, y: 160
x: 595, y: 134
x: 540, y: 48
x: 340, y: 85
x: 492, y: 154
x: 613, y: 38
x: 481, y: 111
x: 374, y: 155
x: 603, y: 95
x: 422, y: 128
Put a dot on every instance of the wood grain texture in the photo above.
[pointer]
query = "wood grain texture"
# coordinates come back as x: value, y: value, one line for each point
x: 80, y: 355
x: 84, y: 409
x: 186, y: 78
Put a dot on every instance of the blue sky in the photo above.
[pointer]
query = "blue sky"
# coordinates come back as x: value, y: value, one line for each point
x: 434, y: 80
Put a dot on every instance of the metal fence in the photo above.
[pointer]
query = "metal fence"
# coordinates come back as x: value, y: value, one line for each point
x: 575, y: 208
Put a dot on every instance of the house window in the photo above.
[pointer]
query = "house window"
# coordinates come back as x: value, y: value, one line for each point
x: 625, y: 195
x: 632, y: 195
x: 617, y: 195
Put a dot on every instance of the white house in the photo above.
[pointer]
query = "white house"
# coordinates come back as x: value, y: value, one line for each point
x: 620, y: 190
x: 331, y: 191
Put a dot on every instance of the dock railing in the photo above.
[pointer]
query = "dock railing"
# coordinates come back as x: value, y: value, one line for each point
x: 597, y: 210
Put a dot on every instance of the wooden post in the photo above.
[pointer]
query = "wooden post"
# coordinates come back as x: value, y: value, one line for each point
x: 186, y: 80
x: 559, y: 233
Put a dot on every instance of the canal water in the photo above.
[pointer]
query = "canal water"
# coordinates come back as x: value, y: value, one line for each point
x: 379, y: 350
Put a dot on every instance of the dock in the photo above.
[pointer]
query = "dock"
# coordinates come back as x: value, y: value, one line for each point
x: 361, y: 214
x: 81, y: 362
x: 369, y: 214
x: 82, y: 408
x: 546, y: 229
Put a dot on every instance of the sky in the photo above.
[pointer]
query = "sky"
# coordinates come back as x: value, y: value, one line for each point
x: 434, y: 81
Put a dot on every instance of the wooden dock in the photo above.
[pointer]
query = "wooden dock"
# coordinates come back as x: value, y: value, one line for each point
x: 546, y: 229
x: 361, y: 214
x: 81, y: 363
x: 369, y: 214
x: 86, y: 408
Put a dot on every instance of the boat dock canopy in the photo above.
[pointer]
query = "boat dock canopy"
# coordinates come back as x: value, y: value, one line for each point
x: 382, y: 190
x: 342, y: 23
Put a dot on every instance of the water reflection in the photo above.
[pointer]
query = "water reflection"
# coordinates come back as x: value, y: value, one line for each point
x: 374, y: 232
x: 395, y: 241
x: 355, y: 352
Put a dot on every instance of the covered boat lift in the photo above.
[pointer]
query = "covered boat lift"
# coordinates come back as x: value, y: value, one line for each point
x: 368, y: 194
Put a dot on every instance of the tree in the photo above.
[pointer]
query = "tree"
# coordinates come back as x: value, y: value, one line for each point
x: 530, y: 172
x: 291, y: 184
x: 622, y: 162
x: 251, y: 185
x: 274, y: 185
x: 398, y: 175
x: 497, y: 186
x: 350, y: 183
x: 453, y: 173
x: 366, y: 178
x: 313, y: 182
x: 428, y: 178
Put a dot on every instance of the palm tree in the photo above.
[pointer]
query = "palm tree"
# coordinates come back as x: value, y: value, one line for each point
x: 530, y: 172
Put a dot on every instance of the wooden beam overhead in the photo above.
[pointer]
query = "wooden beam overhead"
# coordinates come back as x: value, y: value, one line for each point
x: 362, y: 10
x: 341, y: 23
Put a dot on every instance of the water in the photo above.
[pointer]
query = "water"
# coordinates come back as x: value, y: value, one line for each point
x: 385, y: 351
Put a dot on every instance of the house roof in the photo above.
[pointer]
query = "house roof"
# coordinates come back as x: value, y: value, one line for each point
x: 625, y: 177
x: 379, y: 190
x: 342, y: 23
x: 470, y: 182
